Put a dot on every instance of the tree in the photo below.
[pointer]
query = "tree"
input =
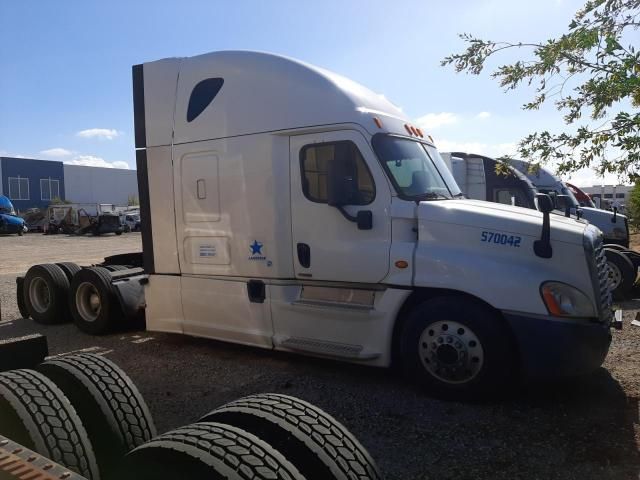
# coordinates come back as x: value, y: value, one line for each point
x: 634, y: 206
x: 603, y: 78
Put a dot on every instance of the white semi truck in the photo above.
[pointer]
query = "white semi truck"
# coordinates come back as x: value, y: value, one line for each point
x: 289, y: 208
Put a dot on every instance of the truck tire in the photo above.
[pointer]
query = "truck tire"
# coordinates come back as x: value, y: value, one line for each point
x: 108, y: 403
x: 22, y: 306
x: 69, y: 269
x: 35, y: 413
x: 317, y: 444
x: 45, y: 294
x: 457, y: 348
x: 621, y: 272
x: 210, y: 451
x: 93, y: 302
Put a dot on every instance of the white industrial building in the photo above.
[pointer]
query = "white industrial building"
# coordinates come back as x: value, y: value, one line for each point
x: 99, y: 185
x: 609, y: 194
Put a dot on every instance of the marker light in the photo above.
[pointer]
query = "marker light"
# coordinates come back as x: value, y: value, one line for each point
x: 414, y: 130
x: 377, y: 121
x: 402, y: 264
x: 407, y: 128
x: 420, y: 133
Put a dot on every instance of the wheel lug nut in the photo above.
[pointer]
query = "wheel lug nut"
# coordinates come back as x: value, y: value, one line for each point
x: 449, y: 340
x: 440, y: 340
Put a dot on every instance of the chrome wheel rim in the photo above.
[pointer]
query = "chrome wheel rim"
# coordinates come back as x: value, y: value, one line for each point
x: 615, y: 275
x: 88, y: 302
x: 451, y: 352
x: 39, y: 295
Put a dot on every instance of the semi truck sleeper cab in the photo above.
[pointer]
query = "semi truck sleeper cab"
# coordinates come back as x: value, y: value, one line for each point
x: 286, y: 207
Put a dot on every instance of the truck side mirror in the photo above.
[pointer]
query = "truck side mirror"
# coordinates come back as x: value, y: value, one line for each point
x: 545, y: 204
x: 564, y: 204
x: 340, y: 184
x: 542, y: 248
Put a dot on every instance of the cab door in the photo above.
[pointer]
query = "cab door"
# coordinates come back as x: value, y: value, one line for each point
x: 326, y: 245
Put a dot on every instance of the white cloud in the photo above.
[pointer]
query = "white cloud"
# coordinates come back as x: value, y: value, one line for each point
x: 435, y: 120
x: 490, y: 150
x: 93, y: 161
x: 100, y: 133
x: 56, y: 152
x: 483, y: 115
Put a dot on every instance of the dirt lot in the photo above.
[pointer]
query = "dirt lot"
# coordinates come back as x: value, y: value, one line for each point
x: 586, y: 428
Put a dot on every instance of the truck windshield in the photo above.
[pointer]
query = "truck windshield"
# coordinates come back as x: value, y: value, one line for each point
x: 416, y: 169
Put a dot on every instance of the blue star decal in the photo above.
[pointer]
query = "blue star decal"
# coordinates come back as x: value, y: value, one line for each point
x: 256, y: 248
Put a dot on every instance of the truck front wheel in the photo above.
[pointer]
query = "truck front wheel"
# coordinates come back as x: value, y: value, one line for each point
x: 457, y: 348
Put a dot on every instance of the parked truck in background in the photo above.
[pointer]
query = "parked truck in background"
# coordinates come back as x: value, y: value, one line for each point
x: 10, y: 223
x: 514, y: 185
x: 286, y: 207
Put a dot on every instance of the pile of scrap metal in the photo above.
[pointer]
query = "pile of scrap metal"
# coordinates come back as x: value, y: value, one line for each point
x: 74, y: 220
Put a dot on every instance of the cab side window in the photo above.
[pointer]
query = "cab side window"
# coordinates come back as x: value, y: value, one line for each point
x: 314, y: 164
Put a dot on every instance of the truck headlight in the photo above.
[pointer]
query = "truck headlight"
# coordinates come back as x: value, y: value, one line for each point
x: 563, y: 300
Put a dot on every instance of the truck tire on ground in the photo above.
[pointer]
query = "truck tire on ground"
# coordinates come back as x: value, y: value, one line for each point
x: 317, y: 444
x: 22, y: 306
x: 621, y: 272
x: 45, y: 294
x: 457, y: 348
x: 69, y: 269
x: 35, y: 413
x: 110, y: 406
x: 92, y: 301
x: 209, y: 451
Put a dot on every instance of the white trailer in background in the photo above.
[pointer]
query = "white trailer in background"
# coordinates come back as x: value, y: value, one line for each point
x: 286, y: 207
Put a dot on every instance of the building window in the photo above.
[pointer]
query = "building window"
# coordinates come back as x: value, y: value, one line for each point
x: 18, y: 188
x: 314, y: 165
x: 49, y: 188
x: 619, y: 195
x: 608, y: 195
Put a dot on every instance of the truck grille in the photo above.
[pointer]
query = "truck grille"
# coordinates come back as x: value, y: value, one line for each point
x: 602, y: 282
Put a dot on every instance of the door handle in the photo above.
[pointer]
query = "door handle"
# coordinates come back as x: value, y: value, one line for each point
x: 304, y: 254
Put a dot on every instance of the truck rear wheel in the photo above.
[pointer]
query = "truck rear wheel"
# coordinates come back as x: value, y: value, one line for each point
x: 69, y: 269
x: 206, y: 451
x: 621, y: 272
x: 92, y: 301
x: 317, y: 444
x: 110, y: 406
x: 45, y: 294
x: 35, y: 413
x: 457, y: 348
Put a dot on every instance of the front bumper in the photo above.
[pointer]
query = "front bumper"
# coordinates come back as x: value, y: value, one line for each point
x: 550, y: 347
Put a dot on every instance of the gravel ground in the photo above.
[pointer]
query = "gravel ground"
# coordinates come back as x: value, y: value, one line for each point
x: 586, y: 428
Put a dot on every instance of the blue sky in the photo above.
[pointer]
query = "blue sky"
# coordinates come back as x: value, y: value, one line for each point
x: 65, y: 82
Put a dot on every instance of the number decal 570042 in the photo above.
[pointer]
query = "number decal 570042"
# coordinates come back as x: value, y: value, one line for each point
x: 501, y: 239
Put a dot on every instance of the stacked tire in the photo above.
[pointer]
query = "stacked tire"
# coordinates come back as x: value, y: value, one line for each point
x: 85, y: 414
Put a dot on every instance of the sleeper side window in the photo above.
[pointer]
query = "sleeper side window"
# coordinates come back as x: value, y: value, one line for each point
x: 314, y: 164
x: 202, y: 95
